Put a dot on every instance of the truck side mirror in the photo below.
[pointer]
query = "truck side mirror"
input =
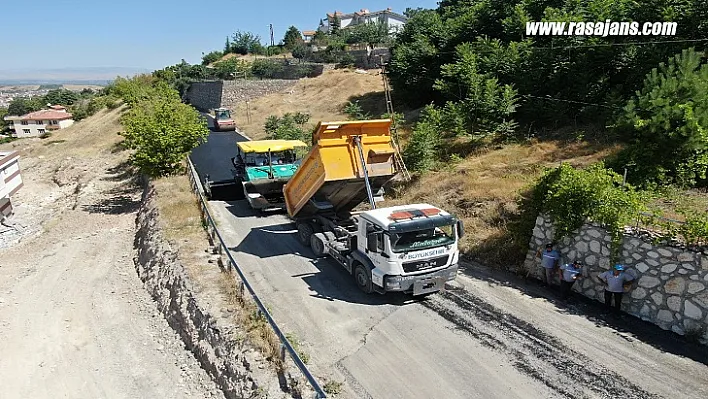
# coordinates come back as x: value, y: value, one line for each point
x: 460, y: 228
x: 372, y: 242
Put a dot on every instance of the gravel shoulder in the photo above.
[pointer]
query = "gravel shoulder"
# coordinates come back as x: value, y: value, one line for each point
x: 74, y: 317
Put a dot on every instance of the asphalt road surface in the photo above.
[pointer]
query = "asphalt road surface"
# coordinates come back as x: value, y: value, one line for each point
x: 495, y: 338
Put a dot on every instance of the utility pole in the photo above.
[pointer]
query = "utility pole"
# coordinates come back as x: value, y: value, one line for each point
x: 272, y: 40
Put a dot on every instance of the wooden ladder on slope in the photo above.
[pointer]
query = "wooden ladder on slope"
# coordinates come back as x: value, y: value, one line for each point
x: 397, y: 157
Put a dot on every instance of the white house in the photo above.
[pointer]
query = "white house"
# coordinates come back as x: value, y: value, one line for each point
x: 307, y: 35
x: 10, y: 180
x: 394, y: 20
x: 40, y: 122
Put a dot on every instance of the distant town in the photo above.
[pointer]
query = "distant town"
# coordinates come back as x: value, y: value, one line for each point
x: 12, y: 91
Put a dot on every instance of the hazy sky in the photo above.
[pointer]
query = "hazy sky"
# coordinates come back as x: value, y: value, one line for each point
x: 150, y: 33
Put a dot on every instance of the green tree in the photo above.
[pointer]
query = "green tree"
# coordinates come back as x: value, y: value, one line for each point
x: 212, y: 57
x: 667, y: 124
x: 302, y: 51
x: 485, y: 107
x: 372, y: 34
x: 227, y: 46
x: 162, y: 132
x: 293, y: 38
x: 423, y: 150
x: 231, y: 68
x: 3, y: 123
x: 21, y: 105
x: 61, y: 96
x: 244, y: 42
x: 411, y: 12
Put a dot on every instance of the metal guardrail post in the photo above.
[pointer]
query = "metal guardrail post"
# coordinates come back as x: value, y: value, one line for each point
x: 245, y: 285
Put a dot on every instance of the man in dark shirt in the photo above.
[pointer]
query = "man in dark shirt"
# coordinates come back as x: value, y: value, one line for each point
x: 549, y: 260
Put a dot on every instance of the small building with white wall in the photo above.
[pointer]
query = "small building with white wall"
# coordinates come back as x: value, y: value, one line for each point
x: 40, y: 122
x: 394, y: 20
x: 10, y: 180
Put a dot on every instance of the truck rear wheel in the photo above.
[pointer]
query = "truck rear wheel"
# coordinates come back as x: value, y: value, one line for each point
x: 362, y: 276
x: 317, y: 243
x: 304, y: 232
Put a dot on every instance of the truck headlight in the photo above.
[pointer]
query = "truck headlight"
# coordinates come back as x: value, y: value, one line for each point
x: 393, y: 282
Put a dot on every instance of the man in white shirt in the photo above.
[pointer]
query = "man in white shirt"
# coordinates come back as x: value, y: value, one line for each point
x: 569, y: 274
x: 615, y: 283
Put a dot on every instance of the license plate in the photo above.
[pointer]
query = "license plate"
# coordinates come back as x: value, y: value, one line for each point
x: 428, y: 285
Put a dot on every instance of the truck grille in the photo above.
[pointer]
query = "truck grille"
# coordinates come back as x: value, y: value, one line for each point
x: 425, y: 264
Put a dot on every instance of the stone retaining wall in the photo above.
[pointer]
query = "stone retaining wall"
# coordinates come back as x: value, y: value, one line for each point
x: 237, y: 91
x: 205, y: 95
x: 670, y: 287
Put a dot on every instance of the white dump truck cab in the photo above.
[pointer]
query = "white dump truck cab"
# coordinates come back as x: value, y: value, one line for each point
x: 411, y: 248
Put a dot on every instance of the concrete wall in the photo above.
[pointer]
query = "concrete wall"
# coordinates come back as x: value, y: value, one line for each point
x: 361, y: 58
x: 670, y: 285
x: 205, y: 95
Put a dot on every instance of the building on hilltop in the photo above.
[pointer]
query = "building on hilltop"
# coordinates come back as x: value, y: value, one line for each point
x: 10, y: 180
x: 307, y: 35
x: 394, y: 20
x: 38, y: 123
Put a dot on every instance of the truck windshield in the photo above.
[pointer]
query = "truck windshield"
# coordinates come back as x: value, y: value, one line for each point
x: 423, y: 239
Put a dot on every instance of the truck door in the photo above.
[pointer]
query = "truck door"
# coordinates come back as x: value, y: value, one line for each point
x: 375, y: 244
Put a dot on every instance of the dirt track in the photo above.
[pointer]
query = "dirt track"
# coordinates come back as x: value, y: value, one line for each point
x: 74, y: 317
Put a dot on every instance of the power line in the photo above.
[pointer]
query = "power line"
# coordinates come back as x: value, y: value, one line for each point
x: 623, y: 44
x: 548, y: 97
x: 588, y: 45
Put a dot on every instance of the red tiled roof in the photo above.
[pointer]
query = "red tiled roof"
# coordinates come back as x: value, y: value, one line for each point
x: 47, y: 114
x: 308, y: 32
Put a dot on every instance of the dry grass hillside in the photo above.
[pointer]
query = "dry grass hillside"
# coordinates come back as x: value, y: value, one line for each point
x: 251, y: 57
x: 483, y: 190
x: 322, y: 97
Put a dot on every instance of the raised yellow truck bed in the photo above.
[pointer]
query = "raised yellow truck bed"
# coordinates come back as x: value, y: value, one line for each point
x: 331, y: 177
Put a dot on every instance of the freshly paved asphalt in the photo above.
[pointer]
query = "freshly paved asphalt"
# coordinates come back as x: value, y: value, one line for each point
x: 495, y: 338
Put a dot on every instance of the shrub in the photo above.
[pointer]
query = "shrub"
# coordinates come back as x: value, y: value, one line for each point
x: 288, y: 127
x: 573, y: 196
x: 355, y: 111
x: 264, y: 68
x: 162, y: 132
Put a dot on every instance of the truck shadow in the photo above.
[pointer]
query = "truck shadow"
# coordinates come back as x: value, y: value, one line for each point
x: 241, y: 209
x: 326, y: 279
x: 272, y: 241
x: 627, y: 326
x: 332, y: 282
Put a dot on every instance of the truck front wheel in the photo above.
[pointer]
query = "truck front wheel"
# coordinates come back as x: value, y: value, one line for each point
x: 304, y: 232
x: 362, y: 276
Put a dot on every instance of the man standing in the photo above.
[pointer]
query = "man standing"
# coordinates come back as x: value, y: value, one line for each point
x: 549, y: 260
x: 615, y: 283
x: 569, y: 274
